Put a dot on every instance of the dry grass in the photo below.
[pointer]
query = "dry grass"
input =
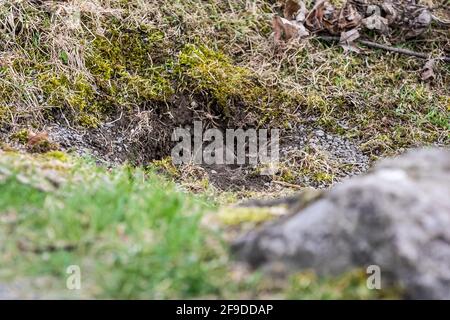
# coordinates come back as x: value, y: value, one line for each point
x: 83, y: 63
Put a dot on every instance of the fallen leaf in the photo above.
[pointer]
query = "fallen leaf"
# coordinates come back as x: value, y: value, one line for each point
x: 347, y: 40
x: 427, y: 72
x: 277, y: 29
x: 330, y: 18
x: 348, y: 17
x: 375, y: 21
x: 391, y: 13
x: 419, y: 24
x: 290, y: 29
x: 34, y: 139
x: 349, y: 36
x: 314, y: 19
x: 291, y: 7
x: 301, y: 13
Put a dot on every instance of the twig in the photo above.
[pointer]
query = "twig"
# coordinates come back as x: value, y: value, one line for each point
x: 371, y: 44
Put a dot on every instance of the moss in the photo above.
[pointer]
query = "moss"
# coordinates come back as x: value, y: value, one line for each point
x: 42, y: 146
x: 224, y: 60
x: 152, y: 87
x: 3, y: 114
x: 323, y: 177
x: 288, y: 175
x: 126, y: 67
x: 349, y: 285
x: 212, y: 72
x: 58, y: 155
x: 316, y: 101
x: 87, y: 120
x: 78, y: 94
x: 166, y: 166
x: 123, y: 64
x: 21, y: 136
x: 236, y: 216
x: 134, y: 49
x: 131, y: 65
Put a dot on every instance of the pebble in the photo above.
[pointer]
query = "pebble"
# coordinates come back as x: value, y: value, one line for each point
x: 338, y: 148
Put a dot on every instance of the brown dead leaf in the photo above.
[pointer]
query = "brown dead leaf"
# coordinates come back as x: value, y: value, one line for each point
x: 40, y: 143
x: 314, y: 19
x: 396, y: 19
x: 427, y: 72
x: 277, y: 31
x: 291, y: 7
x: 419, y: 24
x: 347, y: 40
x: 390, y: 11
x: 37, y: 138
x: 277, y: 27
x: 348, y: 18
x: 349, y: 36
x: 288, y: 29
x: 330, y: 19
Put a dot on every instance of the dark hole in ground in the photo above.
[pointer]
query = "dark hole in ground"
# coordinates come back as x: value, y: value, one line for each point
x: 144, y: 135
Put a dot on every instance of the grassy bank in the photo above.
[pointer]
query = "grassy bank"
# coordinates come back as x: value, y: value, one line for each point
x: 160, y: 64
x: 133, y: 235
x: 115, y: 77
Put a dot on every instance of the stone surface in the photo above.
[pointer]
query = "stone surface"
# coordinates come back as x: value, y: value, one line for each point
x: 397, y: 216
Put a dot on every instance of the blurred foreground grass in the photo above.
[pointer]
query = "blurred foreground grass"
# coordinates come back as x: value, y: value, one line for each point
x: 133, y: 235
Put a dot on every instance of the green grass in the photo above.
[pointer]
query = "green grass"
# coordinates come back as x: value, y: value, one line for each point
x: 132, y: 233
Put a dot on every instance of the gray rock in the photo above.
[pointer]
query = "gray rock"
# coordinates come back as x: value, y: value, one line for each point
x: 397, y: 216
x: 320, y: 133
